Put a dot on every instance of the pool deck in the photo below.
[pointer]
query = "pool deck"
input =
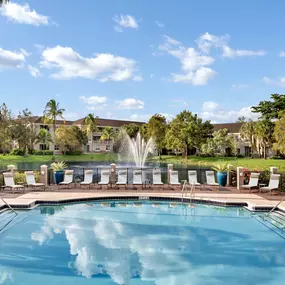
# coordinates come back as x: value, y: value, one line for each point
x: 227, y: 196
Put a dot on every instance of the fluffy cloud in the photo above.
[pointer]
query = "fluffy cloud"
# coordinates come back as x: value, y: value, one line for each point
x: 125, y: 21
x: 240, y: 86
x: 35, y: 72
x: 23, y: 14
x: 12, y: 59
x: 194, y: 65
x: 131, y: 104
x: 280, y: 82
x: 103, y: 67
x: 282, y: 54
x: 214, y: 112
x: 95, y: 102
x: 208, y: 41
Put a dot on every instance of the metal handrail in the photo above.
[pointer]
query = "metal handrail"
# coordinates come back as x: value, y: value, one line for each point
x: 192, y: 191
x: 8, y: 206
x: 275, y: 207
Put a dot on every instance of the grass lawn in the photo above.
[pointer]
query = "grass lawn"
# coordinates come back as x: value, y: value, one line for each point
x: 48, y: 158
x: 254, y: 164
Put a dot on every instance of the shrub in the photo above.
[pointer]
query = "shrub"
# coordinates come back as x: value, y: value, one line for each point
x: 73, y: 152
x: 277, y: 157
x: 17, y: 151
x: 43, y: 152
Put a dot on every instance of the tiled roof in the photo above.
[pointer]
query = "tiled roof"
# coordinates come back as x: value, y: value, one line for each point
x: 57, y: 122
x: 231, y: 127
x: 109, y: 122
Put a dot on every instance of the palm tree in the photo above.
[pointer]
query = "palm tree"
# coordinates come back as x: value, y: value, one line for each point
x: 52, y: 112
x: 247, y: 132
x: 108, y: 134
x: 90, y: 126
x: 44, y: 137
x: 264, y: 133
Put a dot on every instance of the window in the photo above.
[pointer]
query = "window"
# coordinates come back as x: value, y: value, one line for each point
x: 108, y: 147
x: 96, y: 138
x: 97, y: 148
x: 247, y: 151
x: 44, y: 127
x: 44, y: 147
x: 56, y: 147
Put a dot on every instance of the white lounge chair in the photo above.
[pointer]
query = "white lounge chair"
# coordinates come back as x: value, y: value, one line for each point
x: 192, y: 177
x: 210, y: 179
x: 253, y: 181
x: 137, y: 178
x: 156, y: 177
x: 105, y: 178
x: 68, y: 179
x: 173, y: 178
x: 31, y: 181
x: 122, y: 178
x: 88, y: 179
x: 10, y: 183
x: 273, y: 183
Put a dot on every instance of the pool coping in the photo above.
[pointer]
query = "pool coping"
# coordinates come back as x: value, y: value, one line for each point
x: 251, y: 202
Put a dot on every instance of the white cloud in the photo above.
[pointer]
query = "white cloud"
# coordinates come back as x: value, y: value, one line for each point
x: 208, y: 41
x: 240, y: 86
x: 12, y: 59
x: 131, y: 104
x: 23, y: 14
x: 125, y: 21
x: 138, y: 78
x: 282, y: 54
x: 280, y: 82
x: 159, y: 24
x: 95, y: 102
x: 103, y: 67
x: 35, y: 72
x: 214, y: 112
x: 231, y: 53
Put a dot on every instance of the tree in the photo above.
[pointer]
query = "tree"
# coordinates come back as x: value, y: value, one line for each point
x: 156, y: 128
x: 80, y: 135
x: 51, y: 113
x: 5, y: 129
x: 109, y: 134
x: 221, y: 141
x: 3, y: 2
x: 90, y: 126
x: 264, y: 134
x: 241, y: 119
x: 247, y: 132
x: 132, y: 129
x: 44, y: 137
x: 66, y: 138
x: 234, y: 144
x: 279, y: 134
x: 187, y: 131
x: 271, y: 109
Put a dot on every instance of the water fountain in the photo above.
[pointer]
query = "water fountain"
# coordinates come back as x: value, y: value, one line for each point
x: 137, y: 149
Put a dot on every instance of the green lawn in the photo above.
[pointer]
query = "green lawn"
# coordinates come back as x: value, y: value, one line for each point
x: 254, y: 164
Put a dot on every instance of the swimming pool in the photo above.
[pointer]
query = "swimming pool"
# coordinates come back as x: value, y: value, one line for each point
x: 140, y: 243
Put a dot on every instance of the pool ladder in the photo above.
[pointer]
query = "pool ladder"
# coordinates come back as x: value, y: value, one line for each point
x: 11, y: 218
x: 184, y: 192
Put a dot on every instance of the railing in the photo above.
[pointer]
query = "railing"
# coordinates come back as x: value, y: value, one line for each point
x: 275, y: 207
x: 9, y: 206
x: 192, y: 191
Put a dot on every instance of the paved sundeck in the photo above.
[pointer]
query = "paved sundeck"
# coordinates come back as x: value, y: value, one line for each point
x: 227, y: 196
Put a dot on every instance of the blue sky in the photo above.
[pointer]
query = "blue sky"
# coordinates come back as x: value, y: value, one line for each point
x: 130, y: 59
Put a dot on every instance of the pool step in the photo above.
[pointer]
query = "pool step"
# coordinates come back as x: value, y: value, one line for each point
x: 277, y: 219
x: 6, y: 216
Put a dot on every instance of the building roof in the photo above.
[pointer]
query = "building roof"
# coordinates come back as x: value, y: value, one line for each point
x: 231, y: 127
x: 40, y: 120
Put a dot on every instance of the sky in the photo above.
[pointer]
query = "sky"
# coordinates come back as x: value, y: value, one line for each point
x: 126, y: 59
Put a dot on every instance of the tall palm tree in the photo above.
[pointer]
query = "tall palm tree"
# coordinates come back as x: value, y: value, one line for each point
x: 247, y: 132
x: 52, y: 112
x: 44, y: 137
x: 90, y: 126
x: 108, y: 134
x: 264, y: 133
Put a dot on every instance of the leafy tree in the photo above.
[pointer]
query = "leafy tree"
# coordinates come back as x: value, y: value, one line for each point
x: 132, y: 129
x: 241, y: 119
x: 66, y: 138
x: 271, y: 109
x: 90, y: 126
x: 51, y: 113
x: 209, y: 147
x: 156, y: 128
x: 221, y: 141
x: 109, y: 134
x: 247, y: 132
x: 143, y: 131
x: 234, y: 144
x: 44, y: 137
x: 279, y: 134
x: 80, y: 135
x: 5, y: 129
x: 264, y: 134
x: 187, y: 131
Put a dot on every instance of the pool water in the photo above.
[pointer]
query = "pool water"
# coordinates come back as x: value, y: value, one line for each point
x: 140, y: 243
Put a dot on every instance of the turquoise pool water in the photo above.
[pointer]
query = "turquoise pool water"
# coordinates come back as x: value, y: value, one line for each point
x: 119, y: 243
